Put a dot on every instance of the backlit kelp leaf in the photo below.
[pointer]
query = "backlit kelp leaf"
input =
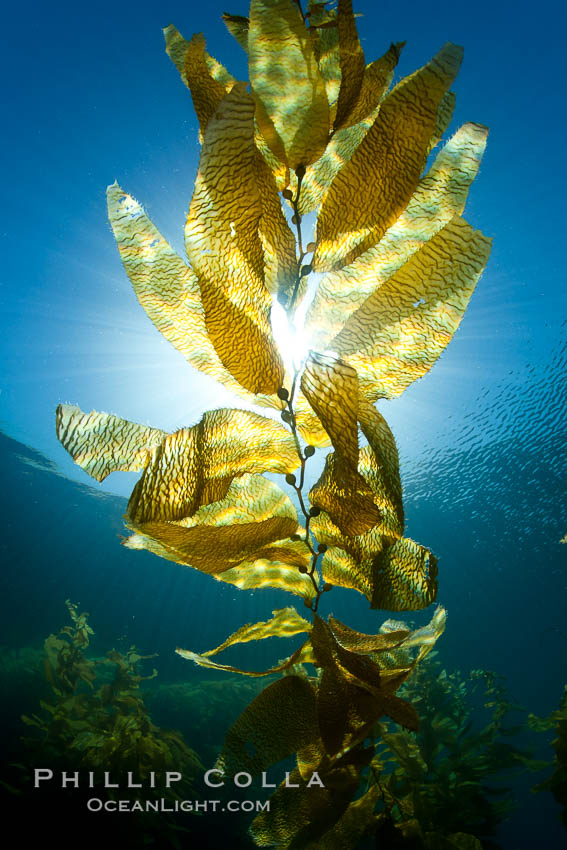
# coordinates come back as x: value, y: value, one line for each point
x: 194, y: 466
x: 209, y: 549
x: 285, y: 78
x: 357, y: 820
x: 280, y: 574
x: 299, y: 814
x: 372, y: 189
x: 321, y: 173
x: 285, y: 623
x: 176, y: 48
x: 427, y: 636
x: 332, y: 391
x: 358, y: 669
x: 444, y: 116
x: 308, y: 423
x: 324, y: 35
x: 398, y: 576
x: 225, y: 249
x: 343, y: 143
x: 341, y: 569
x: 237, y: 25
x: 101, y: 443
x: 277, y: 239
x: 358, y: 642
x: 379, y: 465
x: 405, y: 577
x: 375, y: 82
x: 168, y: 290
x: 414, y: 314
x: 203, y: 661
x: 343, y: 493
x: 279, y: 721
x: 206, y: 92
x: 250, y: 499
x: 351, y: 60
x: 331, y: 388
x: 351, y: 696
x: 440, y: 195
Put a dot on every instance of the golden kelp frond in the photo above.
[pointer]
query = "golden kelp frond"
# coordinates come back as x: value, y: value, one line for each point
x: 351, y: 61
x: 320, y: 174
x: 398, y: 576
x: 343, y: 493
x: 380, y: 466
x: 203, y: 661
x: 286, y: 80
x: 281, y: 720
x: 444, y: 116
x: 101, y: 443
x: 176, y: 48
x: 299, y: 814
x: 285, y: 623
x: 237, y: 25
x: 427, y: 636
x: 225, y: 249
x: 375, y: 83
x: 358, y: 642
x: 370, y: 191
x: 404, y: 577
x: 280, y: 261
x: 207, y: 548
x: 341, y: 569
x: 206, y: 92
x: 280, y: 574
x: 331, y: 388
x: 250, y: 498
x: 440, y: 195
x: 194, y: 466
x: 324, y: 34
x: 357, y: 820
x: 168, y: 290
x: 350, y: 696
x: 414, y: 315
x: 308, y: 423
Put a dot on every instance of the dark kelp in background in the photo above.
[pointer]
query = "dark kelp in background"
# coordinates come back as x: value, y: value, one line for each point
x: 399, y: 266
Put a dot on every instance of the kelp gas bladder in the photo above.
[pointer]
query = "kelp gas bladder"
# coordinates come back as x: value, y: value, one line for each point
x: 316, y: 129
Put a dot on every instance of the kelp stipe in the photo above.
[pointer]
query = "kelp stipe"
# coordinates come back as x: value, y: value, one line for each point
x: 322, y: 129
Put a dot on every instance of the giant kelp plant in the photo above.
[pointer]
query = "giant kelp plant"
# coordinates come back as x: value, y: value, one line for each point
x: 96, y: 720
x: 557, y: 782
x: 316, y: 129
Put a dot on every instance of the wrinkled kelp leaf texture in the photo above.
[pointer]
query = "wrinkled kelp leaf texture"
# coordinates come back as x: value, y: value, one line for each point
x: 200, y: 500
x: 286, y: 82
x: 168, y: 290
x: 323, y: 721
x: 372, y: 189
x: 225, y: 249
x: 359, y: 495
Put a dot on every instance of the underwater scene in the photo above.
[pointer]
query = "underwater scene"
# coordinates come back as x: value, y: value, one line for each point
x: 283, y: 427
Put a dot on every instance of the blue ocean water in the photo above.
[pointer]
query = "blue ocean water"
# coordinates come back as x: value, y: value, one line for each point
x: 482, y: 438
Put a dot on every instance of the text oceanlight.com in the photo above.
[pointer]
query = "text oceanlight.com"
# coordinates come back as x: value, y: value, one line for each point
x: 162, y: 805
